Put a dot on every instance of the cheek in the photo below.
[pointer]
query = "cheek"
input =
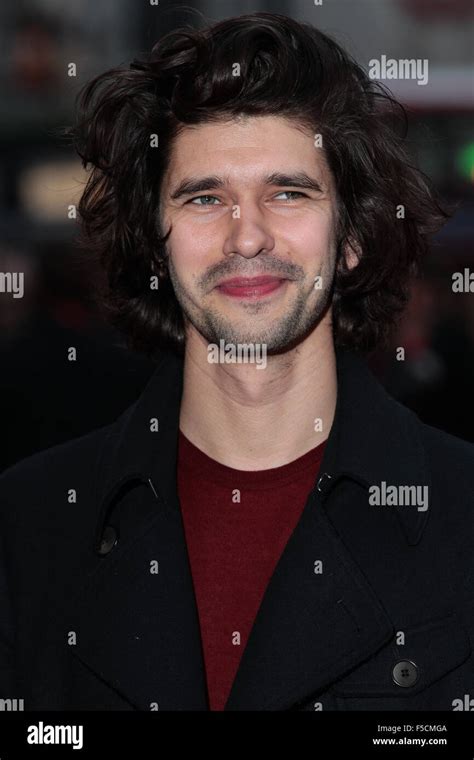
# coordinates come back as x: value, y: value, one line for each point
x: 193, y: 239
x: 191, y: 251
x: 310, y: 239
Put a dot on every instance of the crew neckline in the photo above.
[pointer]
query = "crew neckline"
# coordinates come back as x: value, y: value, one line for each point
x: 198, y: 464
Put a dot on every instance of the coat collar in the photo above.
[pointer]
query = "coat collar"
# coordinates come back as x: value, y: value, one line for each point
x: 373, y: 439
x: 140, y: 632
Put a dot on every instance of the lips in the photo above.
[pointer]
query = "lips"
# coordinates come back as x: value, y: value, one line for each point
x: 248, y: 281
x: 250, y: 286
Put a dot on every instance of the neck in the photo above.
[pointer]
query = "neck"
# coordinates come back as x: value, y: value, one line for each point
x: 256, y: 419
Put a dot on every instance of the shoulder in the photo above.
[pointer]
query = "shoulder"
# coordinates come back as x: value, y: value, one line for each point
x: 34, y: 485
x: 449, y: 458
x: 79, y: 450
x: 449, y: 463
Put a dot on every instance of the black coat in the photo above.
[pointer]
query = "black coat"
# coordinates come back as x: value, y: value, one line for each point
x: 387, y: 625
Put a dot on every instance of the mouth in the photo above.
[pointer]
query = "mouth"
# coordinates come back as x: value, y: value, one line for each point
x: 251, y: 287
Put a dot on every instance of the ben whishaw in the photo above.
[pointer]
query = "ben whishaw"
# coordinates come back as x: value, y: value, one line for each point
x: 248, y: 535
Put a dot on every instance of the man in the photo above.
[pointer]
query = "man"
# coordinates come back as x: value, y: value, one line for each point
x: 265, y: 528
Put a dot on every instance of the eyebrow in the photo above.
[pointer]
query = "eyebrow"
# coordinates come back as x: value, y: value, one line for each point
x: 192, y: 185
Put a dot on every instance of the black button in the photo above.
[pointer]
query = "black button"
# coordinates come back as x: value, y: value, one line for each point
x: 405, y: 673
x: 109, y: 540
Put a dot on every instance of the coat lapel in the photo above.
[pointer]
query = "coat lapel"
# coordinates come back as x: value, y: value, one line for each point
x: 312, y: 627
x: 136, y: 619
x: 138, y: 630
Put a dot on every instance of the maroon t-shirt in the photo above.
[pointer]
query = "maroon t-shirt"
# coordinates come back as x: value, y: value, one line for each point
x: 237, y: 524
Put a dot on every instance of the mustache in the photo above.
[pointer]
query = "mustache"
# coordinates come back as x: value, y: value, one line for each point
x: 273, y: 268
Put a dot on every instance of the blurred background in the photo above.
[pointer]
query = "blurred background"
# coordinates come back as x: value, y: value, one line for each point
x: 46, y: 399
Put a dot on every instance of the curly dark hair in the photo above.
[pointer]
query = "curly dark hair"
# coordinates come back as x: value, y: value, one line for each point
x: 288, y: 69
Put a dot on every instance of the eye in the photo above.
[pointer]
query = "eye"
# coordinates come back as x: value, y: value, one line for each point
x: 293, y: 192
x: 205, y: 197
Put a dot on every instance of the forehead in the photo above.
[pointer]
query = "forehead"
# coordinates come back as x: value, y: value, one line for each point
x: 245, y: 147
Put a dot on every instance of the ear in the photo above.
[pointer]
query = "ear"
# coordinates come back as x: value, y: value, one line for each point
x: 351, y: 253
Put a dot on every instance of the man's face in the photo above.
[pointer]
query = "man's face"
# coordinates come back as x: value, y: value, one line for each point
x: 242, y: 220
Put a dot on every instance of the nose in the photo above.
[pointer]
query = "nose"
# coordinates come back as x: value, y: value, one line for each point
x: 249, y: 234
